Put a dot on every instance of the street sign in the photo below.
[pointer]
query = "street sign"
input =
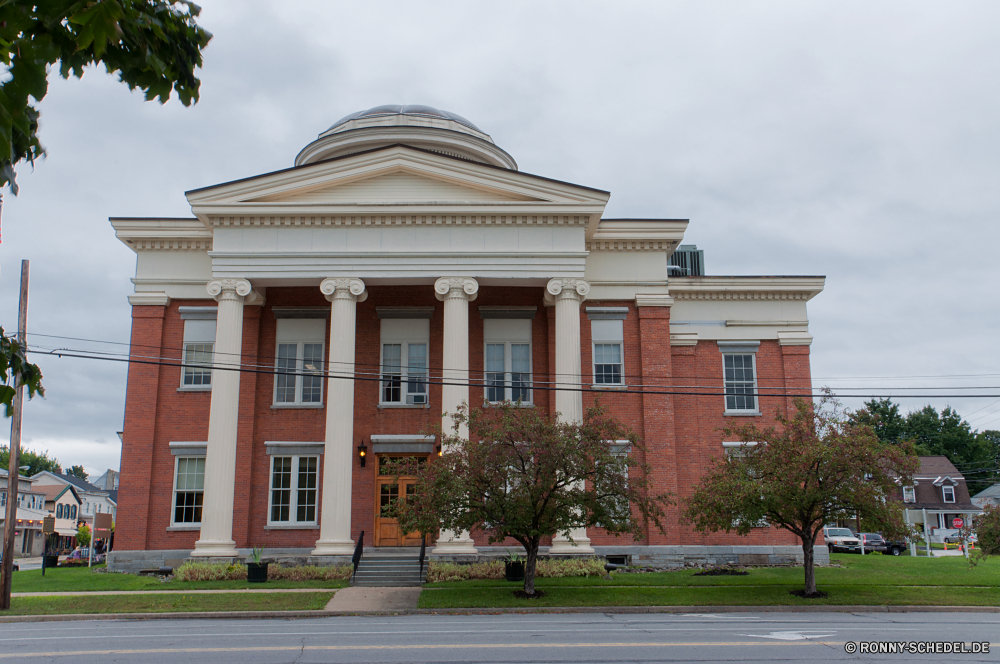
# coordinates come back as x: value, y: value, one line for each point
x: 49, y: 525
x: 957, y: 522
x: 102, y: 525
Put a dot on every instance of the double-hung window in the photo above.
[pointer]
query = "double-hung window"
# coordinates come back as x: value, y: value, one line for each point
x: 298, y: 364
x: 909, y: 494
x: 739, y: 367
x: 608, y: 340
x: 199, y: 345
x: 948, y: 493
x: 293, y: 490
x: 507, y: 360
x: 189, y: 489
x: 404, y: 361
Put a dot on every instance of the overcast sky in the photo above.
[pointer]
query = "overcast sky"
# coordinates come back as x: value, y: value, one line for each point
x: 857, y: 140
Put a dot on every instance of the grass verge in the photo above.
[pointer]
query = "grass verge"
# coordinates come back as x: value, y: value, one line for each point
x: 81, y: 579
x: 871, y: 580
x: 21, y: 606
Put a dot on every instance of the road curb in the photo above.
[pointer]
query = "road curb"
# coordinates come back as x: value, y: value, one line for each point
x: 293, y: 615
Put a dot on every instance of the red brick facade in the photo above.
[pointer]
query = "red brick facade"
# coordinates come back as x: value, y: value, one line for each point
x: 680, y: 432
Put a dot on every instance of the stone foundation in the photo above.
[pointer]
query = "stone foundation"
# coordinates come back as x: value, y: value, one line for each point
x: 635, y: 556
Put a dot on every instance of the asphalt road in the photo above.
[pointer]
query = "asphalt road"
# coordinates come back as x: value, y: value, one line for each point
x: 765, y: 637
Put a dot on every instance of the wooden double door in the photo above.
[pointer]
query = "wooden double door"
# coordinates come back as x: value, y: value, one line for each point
x: 388, y: 490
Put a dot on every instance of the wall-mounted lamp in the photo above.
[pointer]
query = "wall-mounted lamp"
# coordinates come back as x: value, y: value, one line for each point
x: 362, y: 452
x: 440, y: 451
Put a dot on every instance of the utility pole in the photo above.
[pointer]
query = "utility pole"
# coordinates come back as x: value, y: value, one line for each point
x: 13, y: 474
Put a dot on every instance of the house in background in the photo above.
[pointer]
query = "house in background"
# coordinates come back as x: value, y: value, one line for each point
x: 936, y: 498
x: 28, y: 539
x: 94, y: 499
x: 108, y: 481
x: 988, y: 496
x: 63, y: 502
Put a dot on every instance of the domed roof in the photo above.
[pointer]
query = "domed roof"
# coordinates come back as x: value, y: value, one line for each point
x: 405, y: 109
x: 416, y: 126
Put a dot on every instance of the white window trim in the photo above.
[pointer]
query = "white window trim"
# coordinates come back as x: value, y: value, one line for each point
x: 508, y: 359
x: 404, y: 367
x: 294, y: 492
x: 944, y: 494
x: 913, y: 494
x: 756, y: 393
x: 184, y: 525
x: 299, y: 373
x: 211, y: 372
x: 593, y: 364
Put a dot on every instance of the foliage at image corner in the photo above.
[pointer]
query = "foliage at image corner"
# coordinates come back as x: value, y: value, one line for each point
x: 14, y: 365
x: 810, y: 469
x: 152, y: 45
x: 986, y: 526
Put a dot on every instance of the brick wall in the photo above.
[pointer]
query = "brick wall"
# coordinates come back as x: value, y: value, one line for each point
x: 681, y: 432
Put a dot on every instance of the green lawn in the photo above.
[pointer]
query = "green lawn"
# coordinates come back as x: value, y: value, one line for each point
x: 168, y: 603
x: 877, y: 580
x: 81, y: 579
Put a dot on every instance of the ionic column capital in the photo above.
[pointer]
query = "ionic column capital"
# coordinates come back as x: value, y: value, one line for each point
x: 566, y: 288
x: 344, y: 288
x: 238, y: 290
x: 465, y: 288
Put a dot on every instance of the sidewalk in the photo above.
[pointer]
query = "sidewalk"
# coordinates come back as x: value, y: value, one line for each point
x: 94, y: 593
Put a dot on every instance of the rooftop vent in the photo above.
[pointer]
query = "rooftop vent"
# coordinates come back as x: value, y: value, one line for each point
x: 687, y: 261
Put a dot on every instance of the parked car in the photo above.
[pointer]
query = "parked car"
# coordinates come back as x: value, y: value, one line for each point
x: 872, y: 542
x: 82, y: 553
x: 841, y: 539
x: 895, y: 548
x: 17, y: 568
x: 952, y: 536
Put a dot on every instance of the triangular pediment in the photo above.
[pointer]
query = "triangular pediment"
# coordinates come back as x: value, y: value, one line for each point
x: 394, y: 185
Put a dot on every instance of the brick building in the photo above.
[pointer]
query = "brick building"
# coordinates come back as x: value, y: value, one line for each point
x: 405, y: 246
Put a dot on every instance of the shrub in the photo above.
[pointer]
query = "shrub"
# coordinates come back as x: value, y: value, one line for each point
x: 309, y: 573
x: 211, y: 572
x: 494, y: 569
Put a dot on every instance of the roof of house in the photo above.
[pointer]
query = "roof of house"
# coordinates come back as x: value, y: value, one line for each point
x: 935, y: 472
x: 937, y: 466
x: 79, y: 483
x: 113, y: 495
x: 989, y: 492
x: 55, y: 492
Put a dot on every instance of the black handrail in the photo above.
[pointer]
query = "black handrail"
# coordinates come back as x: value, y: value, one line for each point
x: 358, y: 550
x: 423, y: 550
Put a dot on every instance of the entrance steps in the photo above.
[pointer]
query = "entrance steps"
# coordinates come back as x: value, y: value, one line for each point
x: 380, y: 569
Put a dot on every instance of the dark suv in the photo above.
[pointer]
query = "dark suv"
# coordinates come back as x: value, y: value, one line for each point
x: 873, y: 542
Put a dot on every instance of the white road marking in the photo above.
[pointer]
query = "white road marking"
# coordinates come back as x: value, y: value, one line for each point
x: 791, y: 636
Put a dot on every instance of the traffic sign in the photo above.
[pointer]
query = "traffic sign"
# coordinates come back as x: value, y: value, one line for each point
x: 957, y: 522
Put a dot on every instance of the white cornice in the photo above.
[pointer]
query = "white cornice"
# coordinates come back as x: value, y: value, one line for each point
x: 400, y: 217
x: 154, y: 234
x: 746, y: 288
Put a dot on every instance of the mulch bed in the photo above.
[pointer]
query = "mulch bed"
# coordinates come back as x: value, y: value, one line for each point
x: 801, y: 593
x: 520, y: 594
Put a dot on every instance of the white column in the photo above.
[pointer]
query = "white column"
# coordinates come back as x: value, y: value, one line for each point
x: 216, y: 539
x: 338, y: 462
x: 567, y: 295
x: 456, y: 293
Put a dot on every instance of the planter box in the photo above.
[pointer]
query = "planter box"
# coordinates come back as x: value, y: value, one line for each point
x: 257, y: 572
x: 513, y: 571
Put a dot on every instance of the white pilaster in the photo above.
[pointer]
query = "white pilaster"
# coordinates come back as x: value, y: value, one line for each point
x: 567, y: 295
x: 335, y: 518
x: 216, y: 538
x: 456, y: 293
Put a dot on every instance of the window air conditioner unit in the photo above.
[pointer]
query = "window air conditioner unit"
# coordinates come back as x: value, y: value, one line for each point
x: 416, y: 399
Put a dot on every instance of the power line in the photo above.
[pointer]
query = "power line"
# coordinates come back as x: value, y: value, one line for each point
x: 716, y: 391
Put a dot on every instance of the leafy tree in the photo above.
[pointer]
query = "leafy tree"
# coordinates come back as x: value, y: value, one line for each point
x: 883, y: 416
x: 83, y: 535
x: 77, y: 471
x: 153, y: 45
x: 14, y: 365
x: 524, y: 475
x: 35, y: 461
x: 815, y: 467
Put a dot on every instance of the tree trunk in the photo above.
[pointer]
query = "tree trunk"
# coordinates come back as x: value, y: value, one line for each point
x: 808, y: 561
x: 529, y: 568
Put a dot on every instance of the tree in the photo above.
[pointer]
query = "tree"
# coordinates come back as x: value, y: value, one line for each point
x: 35, y: 461
x: 14, y: 365
x: 524, y: 475
x: 883, y: 416
x: 83, y: 535
x: 153, y: 45
x: 815, y: 467
x: 77, y: 471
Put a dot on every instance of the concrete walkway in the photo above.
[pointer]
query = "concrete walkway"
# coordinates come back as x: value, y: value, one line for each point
x: 361, y: 598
